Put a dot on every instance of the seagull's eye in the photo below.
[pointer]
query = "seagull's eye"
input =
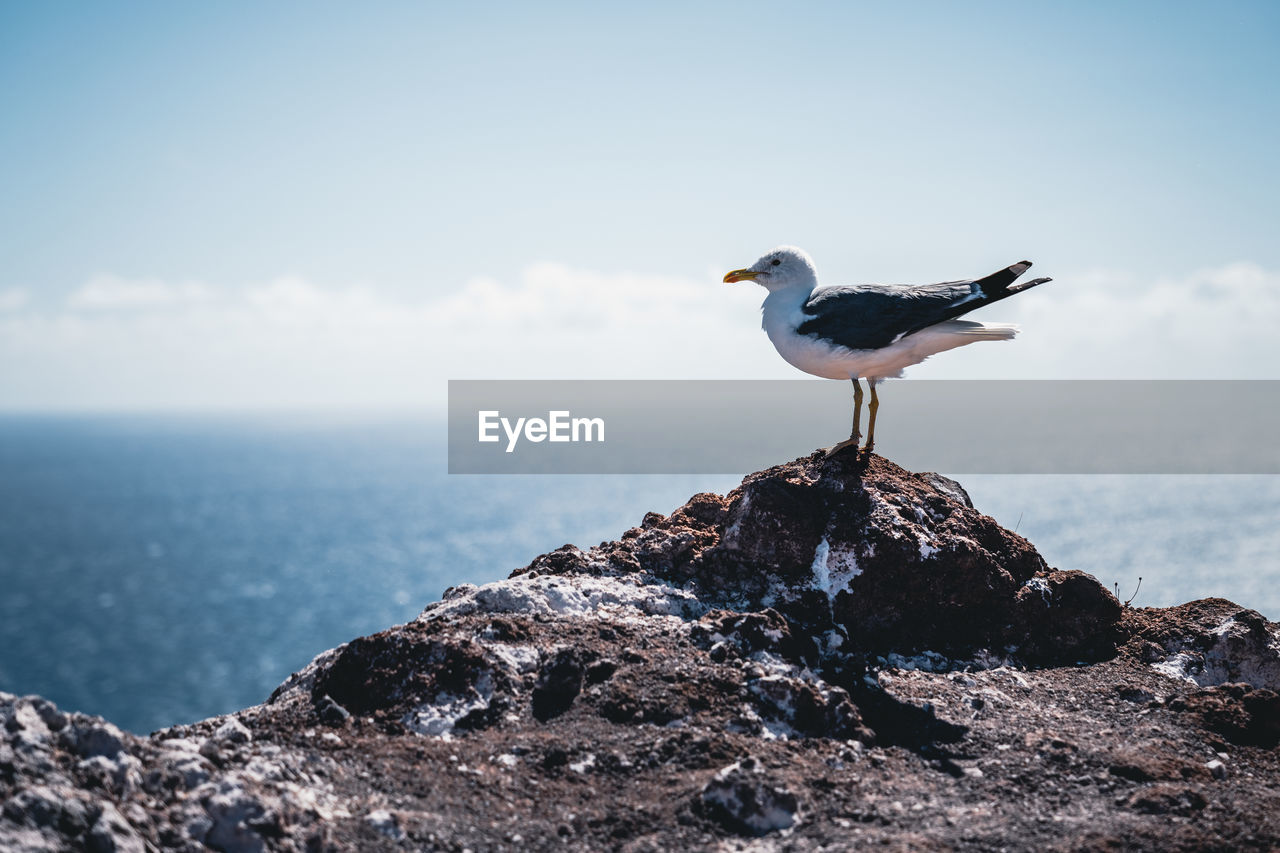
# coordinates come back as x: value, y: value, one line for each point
x: 775, y: 262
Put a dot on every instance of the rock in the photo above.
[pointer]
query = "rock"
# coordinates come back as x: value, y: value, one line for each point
x: 234, y: 817
x: 431, y: 684
x: 899, y: 670
x: 948, y: 487
x: 330, y: 712
x: 232, y: 732
x: 892, y: 560
x: 1207, y: 642
x: 386, y: 824
x: 1064, y: 616
x: 601, y: 671
x: 1238, y: 712
x: 741, y: 798
x: 559, y: 683
x: 747, y: 634
x: 190, y: 771
x: 1166, y: 799
x: 94, y: 739
x: 111, y: 833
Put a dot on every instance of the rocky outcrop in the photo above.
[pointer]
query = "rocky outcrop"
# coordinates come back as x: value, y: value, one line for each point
x: 1207, y: 642
x: 836, y: 653
x: 887, y: 560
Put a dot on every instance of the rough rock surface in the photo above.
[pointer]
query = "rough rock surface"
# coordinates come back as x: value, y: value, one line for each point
x: 836, y: 653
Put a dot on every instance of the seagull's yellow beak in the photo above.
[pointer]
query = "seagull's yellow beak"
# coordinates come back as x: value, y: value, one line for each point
x: 740, y: 275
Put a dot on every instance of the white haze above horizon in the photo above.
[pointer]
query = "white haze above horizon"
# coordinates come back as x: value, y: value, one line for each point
x: 116, y: 343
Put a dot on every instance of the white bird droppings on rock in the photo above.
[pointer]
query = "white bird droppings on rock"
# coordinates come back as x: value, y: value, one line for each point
x: 569, y: 596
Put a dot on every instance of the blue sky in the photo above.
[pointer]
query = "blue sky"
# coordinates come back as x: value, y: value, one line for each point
x: 168, y: 169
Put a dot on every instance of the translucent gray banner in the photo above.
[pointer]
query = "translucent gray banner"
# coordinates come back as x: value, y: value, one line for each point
x: 957, y: 427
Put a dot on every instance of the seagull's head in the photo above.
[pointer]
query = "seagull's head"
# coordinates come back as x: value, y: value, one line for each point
x: 780, y: 269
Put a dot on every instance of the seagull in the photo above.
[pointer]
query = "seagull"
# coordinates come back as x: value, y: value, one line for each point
x: 871, y: 331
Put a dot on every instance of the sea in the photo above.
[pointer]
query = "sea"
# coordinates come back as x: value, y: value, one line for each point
x: 160, y: 569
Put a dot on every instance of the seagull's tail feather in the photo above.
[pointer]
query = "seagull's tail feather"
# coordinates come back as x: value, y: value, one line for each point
x: 972, y: 330
x: 1000, y: 284
x: 1000, y: 280
x: 1026, y: 285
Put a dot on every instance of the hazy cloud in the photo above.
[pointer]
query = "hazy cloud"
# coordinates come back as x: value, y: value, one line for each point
x: 120, y: 343
x: 12, y: 299
x: 1211, y: 324
x: 110, y: 292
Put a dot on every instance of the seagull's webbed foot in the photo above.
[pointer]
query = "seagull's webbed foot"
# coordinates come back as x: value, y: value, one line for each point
x: 869, y: 446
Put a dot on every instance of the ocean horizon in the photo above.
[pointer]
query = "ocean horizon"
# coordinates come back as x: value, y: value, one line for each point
x: 159, y: 569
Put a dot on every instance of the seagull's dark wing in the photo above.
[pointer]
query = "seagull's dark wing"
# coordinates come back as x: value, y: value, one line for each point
x: 870, y: 316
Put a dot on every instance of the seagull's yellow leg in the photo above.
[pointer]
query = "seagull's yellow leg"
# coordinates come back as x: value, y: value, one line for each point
x: 856, y: 434
x: 872, y: 408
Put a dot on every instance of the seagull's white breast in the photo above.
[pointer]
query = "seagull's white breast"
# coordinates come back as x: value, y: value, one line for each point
x: 782, y: 315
